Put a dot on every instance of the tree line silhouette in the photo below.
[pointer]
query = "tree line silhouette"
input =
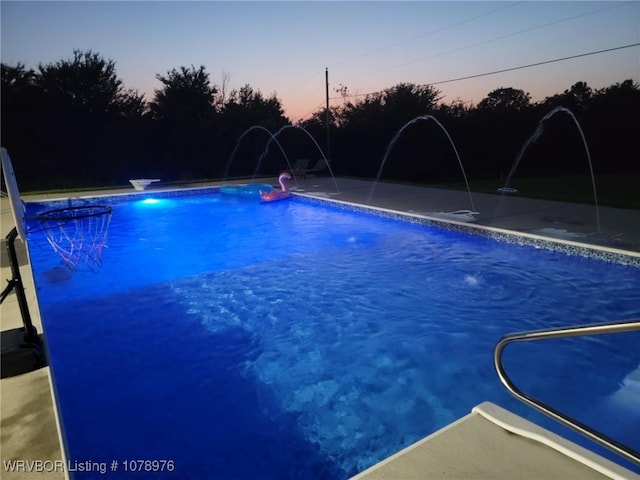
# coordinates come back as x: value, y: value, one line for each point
x: 73, y: 124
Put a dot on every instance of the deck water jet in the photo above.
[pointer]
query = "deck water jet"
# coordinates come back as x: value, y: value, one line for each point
x: 244, y: 134
x: 302, y: 129
x: 535, y: 136
x: 395, y: 139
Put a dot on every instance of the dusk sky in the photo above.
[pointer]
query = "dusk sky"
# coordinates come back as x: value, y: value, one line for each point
x: 284, y: 47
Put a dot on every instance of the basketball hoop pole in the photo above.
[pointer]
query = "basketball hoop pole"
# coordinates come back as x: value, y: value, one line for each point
x: 30, y: 332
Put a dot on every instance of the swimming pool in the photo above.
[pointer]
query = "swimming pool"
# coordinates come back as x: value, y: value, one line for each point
x: 298, y: 340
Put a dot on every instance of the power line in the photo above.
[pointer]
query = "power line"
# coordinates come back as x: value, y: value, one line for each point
x: 494, y: 72
x: 510, y: 69
x: 413, y: 39
x: 434, y: 32
x: 314, y: 109
x: 481, y: 43
x: 535, y: 64
x: 502, y: 37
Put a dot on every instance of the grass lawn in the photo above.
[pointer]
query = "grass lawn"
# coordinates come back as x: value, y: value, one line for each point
x: 615, y: 190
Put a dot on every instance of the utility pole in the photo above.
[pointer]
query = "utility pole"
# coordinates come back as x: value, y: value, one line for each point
x: 327, y: 116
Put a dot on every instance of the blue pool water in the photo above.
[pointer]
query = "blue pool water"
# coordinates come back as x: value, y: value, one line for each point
x: 294, y: 340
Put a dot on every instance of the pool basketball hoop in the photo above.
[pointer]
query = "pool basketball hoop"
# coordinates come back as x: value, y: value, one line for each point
x: 77, y: 234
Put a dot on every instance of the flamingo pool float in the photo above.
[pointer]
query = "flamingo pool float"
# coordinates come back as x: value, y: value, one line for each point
x: 281, y: 194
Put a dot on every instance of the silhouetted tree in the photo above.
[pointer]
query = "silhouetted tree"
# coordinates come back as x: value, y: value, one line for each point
x: 455, y: 109
x: 72, y: 123
x: 501, y: 123
x: 15, y: 78
x: 88, y: 83
x: 612, y: 124
x: 246, y: 108
x: 316, y: 125
x: 184, y: 113
x: 65, y: 116
x: 393, y: 106
x: 373, y: 121
x: 505, y: 99
x: 318, y: 119
x: 21, y: 119
x: 187, y: 95
x: 19, y: 100
x: 85, y: 105
x: 577, y: 99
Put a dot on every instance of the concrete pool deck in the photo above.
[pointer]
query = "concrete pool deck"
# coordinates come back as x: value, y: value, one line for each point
x: 28, y: 422
x: 618, y: 228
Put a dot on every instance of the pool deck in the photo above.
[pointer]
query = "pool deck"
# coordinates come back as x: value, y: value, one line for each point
x: 487, y: 443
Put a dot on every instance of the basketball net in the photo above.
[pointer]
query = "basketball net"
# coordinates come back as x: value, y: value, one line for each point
x: 77, y: 234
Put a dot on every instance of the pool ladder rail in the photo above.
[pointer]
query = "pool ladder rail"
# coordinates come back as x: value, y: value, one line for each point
x: 563, y: 332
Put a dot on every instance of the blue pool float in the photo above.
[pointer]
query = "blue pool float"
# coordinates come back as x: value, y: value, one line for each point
x: 248, y: 189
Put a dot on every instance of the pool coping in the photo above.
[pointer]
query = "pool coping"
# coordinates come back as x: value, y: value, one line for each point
x: 486, y: 435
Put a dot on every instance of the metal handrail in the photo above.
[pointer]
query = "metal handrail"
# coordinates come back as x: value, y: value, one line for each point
x: 563, y: 332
